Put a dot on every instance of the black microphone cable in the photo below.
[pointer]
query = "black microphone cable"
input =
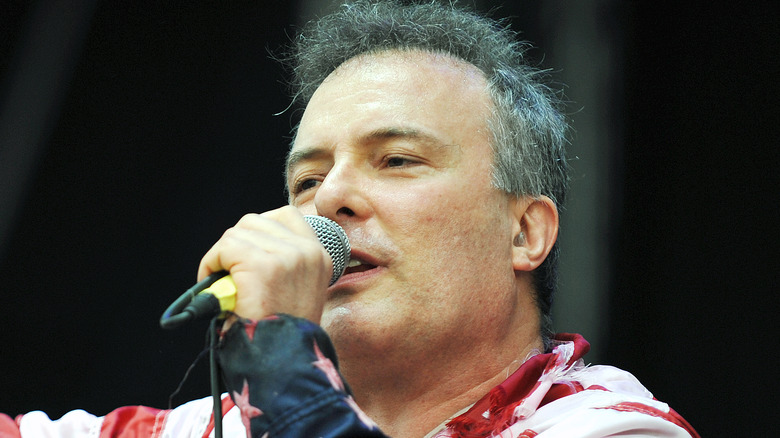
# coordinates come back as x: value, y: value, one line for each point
x: 214, y: 377
x: 178, y: 313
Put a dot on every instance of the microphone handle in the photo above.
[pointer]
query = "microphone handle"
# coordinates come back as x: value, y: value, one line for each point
x: 192, y: 303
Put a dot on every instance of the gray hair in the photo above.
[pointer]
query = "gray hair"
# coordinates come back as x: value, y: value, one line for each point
x: 529, y: 130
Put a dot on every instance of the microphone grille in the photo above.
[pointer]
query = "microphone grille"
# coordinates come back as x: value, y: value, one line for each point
x: 335, y: 241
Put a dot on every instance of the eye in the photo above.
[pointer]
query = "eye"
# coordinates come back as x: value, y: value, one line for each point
x: 305, y: 184
x: 398, y: 162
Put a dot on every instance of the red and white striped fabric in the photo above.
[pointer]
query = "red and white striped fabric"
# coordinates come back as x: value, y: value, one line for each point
x: 192, y: 419
x: 551, y: 395
x: 556, y: 395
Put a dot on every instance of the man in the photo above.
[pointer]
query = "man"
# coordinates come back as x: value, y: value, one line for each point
x: 432, y: 143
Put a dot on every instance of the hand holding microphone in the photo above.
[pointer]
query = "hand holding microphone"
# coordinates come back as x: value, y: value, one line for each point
x: 279, y: 262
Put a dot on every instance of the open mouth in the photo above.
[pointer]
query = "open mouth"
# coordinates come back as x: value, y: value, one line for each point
x: 357, y: 266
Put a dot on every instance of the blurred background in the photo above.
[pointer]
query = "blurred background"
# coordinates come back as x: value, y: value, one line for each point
x: 133, y: 133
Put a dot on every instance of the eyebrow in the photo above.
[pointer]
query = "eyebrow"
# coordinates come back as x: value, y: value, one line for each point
x: 295, y: 157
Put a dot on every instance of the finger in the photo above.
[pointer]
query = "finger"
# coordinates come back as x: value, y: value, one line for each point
x: 272, y: 224
x: 242, y: 248
x: 247, y: 246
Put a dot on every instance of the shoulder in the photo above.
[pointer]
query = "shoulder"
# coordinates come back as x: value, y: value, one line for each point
x: 611, y: 401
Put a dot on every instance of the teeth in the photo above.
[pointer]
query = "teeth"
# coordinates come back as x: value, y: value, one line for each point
x: 352, y: 263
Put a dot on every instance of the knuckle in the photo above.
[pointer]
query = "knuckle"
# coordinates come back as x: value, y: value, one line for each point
x: 231, y: 234
x: 288, y: 210
x: 247, y: 218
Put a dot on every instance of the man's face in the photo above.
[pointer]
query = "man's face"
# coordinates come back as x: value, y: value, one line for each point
x: 395, y: 147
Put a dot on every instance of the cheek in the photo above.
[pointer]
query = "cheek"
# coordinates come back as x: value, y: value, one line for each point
x: 448, y: 223
x: 417, y: 209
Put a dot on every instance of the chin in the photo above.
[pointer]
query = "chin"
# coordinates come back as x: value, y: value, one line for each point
x: 351, y: 323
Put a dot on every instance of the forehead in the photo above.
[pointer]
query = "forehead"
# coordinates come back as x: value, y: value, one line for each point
x: 405, y: 86
x: 411, y: 90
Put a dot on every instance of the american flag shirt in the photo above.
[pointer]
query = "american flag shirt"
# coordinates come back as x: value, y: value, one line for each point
x: 283, y: 381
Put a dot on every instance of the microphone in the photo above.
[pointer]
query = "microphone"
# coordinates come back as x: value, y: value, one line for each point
x: 217, y: 292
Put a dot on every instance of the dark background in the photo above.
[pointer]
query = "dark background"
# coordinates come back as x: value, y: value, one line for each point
x: 164, y: 134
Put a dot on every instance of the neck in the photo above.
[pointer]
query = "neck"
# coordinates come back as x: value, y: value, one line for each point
x: 428, y: 391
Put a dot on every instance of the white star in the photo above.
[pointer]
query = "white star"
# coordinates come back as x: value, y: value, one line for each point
x: 359, y: 412
x: 326, y: 366
x: 247, y: 410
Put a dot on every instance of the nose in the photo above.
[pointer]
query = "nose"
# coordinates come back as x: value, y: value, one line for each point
x: 342, y: 194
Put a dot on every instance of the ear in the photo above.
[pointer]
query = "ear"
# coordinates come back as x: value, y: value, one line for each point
x: 534, y: 231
